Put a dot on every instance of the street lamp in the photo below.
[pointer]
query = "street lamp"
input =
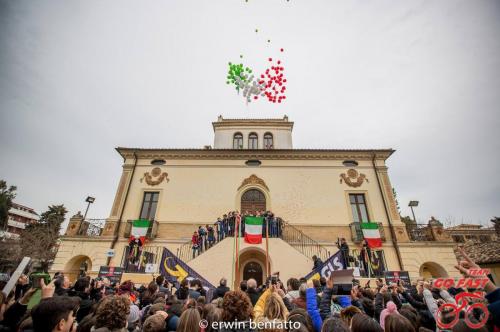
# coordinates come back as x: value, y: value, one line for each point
x: 89, y: 200
x: 411, y: 205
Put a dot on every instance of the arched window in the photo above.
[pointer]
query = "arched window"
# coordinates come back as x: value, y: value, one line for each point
x: 238, y: 141
x: 268, y: 141
x: 253, y: 141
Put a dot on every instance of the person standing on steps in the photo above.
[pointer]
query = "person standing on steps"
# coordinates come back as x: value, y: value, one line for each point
x: 317, y: 262
x: 218, y: 228
x: 210, y: 236
x: 195, y: 244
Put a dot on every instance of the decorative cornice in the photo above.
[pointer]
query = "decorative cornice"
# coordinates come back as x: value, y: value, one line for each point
x: 274, y: 154
x: 283, y: 122
x: 253, y: 179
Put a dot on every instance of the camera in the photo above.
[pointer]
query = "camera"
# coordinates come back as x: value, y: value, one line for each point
x: 35, y: 279
x: 274, y: 280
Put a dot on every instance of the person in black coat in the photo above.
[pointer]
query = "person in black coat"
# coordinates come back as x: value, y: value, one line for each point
x: 221, y: 290
x: 344, y: 250
x: 317, y: 262
x: 252, y: 291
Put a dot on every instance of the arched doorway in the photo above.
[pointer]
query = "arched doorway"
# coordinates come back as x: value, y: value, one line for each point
x: 432, y: 270
x: 253, y: 200
x: 252, y: 264
x: 253, y: 270
x: 77, y: 266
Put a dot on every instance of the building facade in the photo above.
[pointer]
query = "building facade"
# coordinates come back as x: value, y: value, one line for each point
x: 19, y: 217
x: 320, y: 195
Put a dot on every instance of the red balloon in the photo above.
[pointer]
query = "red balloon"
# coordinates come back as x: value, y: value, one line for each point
x: 281, y: 50
x: 270, y: 59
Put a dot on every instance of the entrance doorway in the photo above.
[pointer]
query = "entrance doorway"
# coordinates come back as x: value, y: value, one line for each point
x: 253, y: 270
x: 253, y: 200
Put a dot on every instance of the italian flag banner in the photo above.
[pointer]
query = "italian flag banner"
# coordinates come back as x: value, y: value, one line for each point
x: 139, y: 229
x: 371, y: 234
x: 253, y: 230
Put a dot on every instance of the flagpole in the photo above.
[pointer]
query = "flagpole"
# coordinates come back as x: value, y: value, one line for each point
x: 268, y: 268
x: 239, y: 241
x: 234, y: 265
x: 236, y: 235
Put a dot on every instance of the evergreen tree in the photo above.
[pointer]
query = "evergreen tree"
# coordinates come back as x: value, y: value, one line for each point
x: 7, y: 194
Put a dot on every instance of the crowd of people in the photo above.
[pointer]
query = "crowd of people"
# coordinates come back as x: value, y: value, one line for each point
x: 226, y: 226
x: 314, y: 305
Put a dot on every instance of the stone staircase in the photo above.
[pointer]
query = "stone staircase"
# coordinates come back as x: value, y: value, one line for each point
x: 290, y: 234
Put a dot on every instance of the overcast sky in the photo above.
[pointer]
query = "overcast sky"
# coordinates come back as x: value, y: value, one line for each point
x: 79, y: 78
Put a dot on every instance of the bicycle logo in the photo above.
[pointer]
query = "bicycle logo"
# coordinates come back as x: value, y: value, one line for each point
x: 456, y: 308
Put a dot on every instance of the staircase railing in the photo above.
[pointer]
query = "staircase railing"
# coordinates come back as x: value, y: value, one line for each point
x: 185, y: 251
x: 303, y: 243
x: 288, y: 233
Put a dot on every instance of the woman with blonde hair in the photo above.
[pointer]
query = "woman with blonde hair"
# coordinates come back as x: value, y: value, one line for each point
x: 271, y: 308
x: 189, y: 321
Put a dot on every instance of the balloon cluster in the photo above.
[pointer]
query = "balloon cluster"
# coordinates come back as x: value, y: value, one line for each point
x: 274, y: 82
x: 271, y: 84
x: 237, y: 74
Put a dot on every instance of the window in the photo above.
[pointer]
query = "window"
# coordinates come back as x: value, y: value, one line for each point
x: 253, y: 141
x: 268, y: 141
x: 158, y: 162
x: 358, y: 207
x: 149, y: 203
x: 484, y: 238
x: 350, y: 163
x: 253, y: 162
x: 458, y: 238
x: 238, y: 141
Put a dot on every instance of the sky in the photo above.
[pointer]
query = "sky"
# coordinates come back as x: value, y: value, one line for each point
x: 79, y: 78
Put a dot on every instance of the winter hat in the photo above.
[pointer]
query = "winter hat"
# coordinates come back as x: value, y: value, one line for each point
x: 344, y: 300
x: 134, y: 316
x: 389, y: 310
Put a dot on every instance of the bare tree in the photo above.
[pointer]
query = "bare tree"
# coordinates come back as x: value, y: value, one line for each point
x: 39, y: 240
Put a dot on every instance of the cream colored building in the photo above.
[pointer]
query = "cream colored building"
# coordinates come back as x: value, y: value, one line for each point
x: 320, y: 194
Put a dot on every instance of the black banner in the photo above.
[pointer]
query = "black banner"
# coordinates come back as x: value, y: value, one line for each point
x: 114, y: 274
x: 394, y: 276
x: 335, y: 262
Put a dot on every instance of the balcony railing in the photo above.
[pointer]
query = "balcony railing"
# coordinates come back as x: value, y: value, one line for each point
x: 357, y: 232
x: 372, y: 266
x: 91, y: 227
x: 151, y: 233
x: 419, y: 232
x: 136, y: 260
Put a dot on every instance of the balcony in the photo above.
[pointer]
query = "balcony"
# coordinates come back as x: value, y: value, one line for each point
x: 357, y: 232
x: 419, y: 232
x: 91, y: 227
x: 152, y: 229
x: 137, y: 261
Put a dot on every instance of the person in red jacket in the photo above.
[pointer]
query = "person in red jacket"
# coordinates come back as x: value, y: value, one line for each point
x: 195, y: 241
